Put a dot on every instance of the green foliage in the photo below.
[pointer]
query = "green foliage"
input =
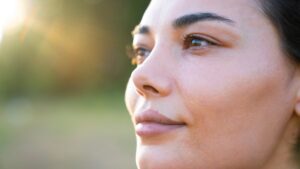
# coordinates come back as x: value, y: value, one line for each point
x: 68, y: 46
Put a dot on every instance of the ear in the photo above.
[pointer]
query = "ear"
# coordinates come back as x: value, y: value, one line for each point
x: 297, y: 106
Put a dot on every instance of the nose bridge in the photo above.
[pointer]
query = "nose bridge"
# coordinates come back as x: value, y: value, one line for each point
x: 153, y: 77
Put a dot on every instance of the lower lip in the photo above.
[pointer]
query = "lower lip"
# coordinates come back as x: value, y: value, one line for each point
x: 148, y: 129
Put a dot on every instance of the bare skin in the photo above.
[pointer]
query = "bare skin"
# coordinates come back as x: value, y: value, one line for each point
x: 216, y: 70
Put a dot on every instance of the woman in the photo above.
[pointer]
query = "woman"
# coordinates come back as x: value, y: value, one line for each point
x: 217, y: 84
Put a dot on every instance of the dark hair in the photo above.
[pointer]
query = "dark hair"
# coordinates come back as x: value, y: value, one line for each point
x: 285, y: 16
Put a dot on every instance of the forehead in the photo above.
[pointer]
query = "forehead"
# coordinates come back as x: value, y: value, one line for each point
x: 160, y: 12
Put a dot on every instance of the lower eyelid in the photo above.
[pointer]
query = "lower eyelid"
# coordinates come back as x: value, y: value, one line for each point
x: 200, y: 51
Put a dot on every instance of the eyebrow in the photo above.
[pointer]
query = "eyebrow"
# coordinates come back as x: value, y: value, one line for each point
x: 190, y: 19
x: 141, y: 30
x: 186, y: 20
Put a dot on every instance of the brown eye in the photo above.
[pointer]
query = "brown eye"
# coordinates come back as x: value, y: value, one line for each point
x: 192, y: 41
x: 140, y: 54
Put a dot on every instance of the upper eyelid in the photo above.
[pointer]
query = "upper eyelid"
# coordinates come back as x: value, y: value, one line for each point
x: 141, y: 43
x: 140, y: 40
x: 214, y: 41
x: 139, y: 46
x: 221, y: 35
x: 135, y: 50
x: 202, y: 36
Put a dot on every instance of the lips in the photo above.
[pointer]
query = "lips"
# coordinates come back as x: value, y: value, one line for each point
x: 151, y: 123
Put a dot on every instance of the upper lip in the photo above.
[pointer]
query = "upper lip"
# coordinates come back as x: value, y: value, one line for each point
x: 152, y: 116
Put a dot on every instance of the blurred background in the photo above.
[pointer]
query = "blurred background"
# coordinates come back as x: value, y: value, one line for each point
x: 63, y: 72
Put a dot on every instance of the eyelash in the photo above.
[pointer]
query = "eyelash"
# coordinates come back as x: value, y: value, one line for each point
x: 205, y: 42
x: 139, y: 54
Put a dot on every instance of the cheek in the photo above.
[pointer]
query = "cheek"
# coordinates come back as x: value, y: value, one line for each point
x: 130, y: 96
x: 237, y: 109
x: 235, y: 85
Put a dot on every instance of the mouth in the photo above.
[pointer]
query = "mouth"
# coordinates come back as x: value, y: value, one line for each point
x: 152, y: 123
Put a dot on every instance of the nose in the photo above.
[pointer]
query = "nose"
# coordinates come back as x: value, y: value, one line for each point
x: 151, y: 78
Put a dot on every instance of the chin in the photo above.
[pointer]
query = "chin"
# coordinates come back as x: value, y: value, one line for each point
x: 156, y: 157
x: 177, y: 157
x: 146, y: 161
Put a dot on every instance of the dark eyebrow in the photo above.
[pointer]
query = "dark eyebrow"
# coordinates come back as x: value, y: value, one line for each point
x: 185, y: 21
x: 196, y: 17
x: 140, y: 30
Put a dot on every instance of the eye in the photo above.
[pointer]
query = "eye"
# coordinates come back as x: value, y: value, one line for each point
x: 197, y: 41
x: 139, y: 55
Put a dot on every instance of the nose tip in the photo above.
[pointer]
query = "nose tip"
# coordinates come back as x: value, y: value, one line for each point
x: 148, y: 82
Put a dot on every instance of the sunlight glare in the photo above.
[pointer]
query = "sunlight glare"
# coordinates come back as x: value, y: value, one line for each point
x: 11, y: 13
x: 1, y: 34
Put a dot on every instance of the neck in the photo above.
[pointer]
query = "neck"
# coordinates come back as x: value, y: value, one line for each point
x: 284, y: 156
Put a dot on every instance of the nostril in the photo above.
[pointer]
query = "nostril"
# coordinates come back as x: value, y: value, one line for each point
x: 150, y: 88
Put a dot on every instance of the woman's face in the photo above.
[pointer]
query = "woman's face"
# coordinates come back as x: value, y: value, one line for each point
x: 212, y: 89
